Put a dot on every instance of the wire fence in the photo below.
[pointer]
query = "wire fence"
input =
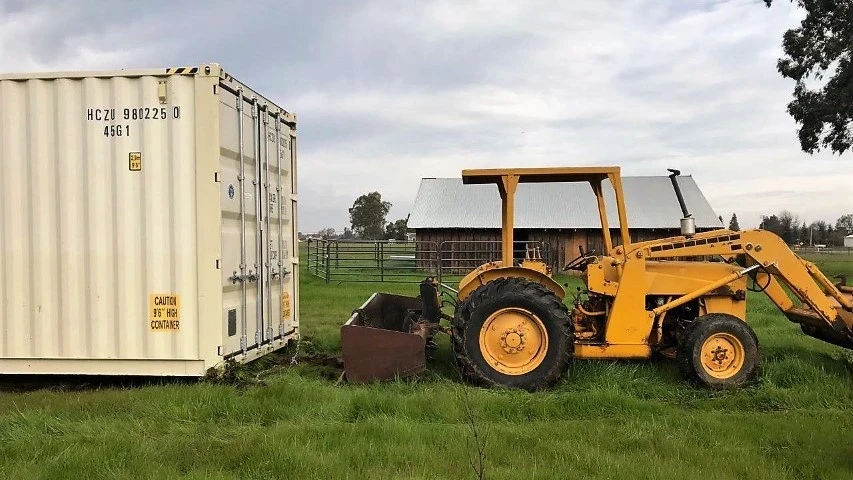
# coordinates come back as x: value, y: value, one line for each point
x: 823, y: 250
x: 406, y: 262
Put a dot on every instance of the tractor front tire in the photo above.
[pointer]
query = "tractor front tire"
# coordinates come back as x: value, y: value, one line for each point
x: 513, y: 333
x: 719, y: 351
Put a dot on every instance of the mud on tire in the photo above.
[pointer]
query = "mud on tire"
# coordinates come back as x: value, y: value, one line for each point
x: 502, y: 293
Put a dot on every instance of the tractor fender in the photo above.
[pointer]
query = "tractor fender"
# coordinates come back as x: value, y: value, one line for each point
x: 493, y: 270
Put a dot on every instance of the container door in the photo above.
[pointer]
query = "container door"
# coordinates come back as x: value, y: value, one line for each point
x: 259, y: 268
x: 241, y: 229
x: 256, y: 276
x: 292, y: 288
x: 285, y: 233
x: 269, y: 235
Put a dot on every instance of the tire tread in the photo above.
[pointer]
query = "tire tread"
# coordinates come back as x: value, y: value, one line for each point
x: 499, y: 288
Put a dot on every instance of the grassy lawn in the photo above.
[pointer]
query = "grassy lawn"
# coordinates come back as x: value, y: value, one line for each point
x: 606, y: 420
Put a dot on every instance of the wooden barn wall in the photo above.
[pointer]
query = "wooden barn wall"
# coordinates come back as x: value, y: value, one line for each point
x: 461, y: 250
x: 466, y: 248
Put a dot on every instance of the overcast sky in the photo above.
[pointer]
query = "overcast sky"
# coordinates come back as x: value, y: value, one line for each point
x: 388, y: 92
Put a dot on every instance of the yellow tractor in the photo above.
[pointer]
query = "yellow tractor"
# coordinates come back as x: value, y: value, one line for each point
x: 511, y: 327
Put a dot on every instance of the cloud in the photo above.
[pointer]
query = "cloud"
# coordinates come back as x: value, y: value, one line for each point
x: 388, y: 91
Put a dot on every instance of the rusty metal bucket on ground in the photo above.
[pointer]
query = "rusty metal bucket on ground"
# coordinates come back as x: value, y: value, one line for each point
x: 382, y: 341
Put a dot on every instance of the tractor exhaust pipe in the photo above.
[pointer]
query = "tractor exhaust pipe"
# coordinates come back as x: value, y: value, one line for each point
x: 688, y: 223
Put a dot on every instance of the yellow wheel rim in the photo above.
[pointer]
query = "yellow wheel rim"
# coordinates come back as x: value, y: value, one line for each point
x: 722, y: 355
x: 513, y: 341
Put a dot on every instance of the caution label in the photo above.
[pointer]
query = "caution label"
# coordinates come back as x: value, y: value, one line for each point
x: 285, y: 305
x: 164, y: 311
x: 134, y: 161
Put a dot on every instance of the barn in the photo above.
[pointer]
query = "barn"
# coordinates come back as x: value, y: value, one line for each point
x: 462, y: 222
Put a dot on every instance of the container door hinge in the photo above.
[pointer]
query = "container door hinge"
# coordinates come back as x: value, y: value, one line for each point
x: 216, y: 177
x: 218, y: 264
x: 219, y: 351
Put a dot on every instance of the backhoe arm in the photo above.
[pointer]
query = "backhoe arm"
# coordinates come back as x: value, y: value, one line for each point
x: 823, y: 310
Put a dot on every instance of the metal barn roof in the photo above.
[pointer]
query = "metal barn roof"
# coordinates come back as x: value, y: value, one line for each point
x: 651, y: 203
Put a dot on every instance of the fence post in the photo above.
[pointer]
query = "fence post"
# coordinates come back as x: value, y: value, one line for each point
x: 381, y: 261
x: 439, y: 253
x: 437, y: 257
x: 547, y: 257
x: 328, y: 262
x: 308, y: 243
x: 337, y: 254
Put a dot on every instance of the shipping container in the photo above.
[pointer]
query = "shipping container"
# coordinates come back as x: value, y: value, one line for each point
x: 148, y: 222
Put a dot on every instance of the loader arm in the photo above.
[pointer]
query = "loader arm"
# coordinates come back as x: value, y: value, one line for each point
x: 824, y: 310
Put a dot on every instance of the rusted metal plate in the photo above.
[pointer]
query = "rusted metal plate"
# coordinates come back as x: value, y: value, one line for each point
x: 372, y: 354
x: 377, y: 343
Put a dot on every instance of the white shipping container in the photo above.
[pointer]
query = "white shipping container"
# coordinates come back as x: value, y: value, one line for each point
x: 147, y: 222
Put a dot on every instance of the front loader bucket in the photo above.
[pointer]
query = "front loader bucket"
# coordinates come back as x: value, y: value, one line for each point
x: 378, y: 342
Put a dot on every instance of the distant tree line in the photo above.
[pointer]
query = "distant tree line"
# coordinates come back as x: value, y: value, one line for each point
x: 796, y: 232
x: 368, y: 221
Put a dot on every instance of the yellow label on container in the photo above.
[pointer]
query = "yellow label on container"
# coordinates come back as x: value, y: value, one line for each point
x: 285, y: 305
x: 134, y: 161
x: 164, y: 311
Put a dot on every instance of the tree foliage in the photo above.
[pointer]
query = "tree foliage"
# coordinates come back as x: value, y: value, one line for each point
x: 821, y: 50
x: 367, y: 216
x: 789, y: 227
x: 845, y: 223
x: 733, y: 225
x: 326, y: 233
x: 397, y: 230
x: 805, y: 231
x: 785, y: 224
x: 818, y: 233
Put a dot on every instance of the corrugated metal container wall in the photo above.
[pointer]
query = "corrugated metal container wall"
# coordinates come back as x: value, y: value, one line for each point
x: 140, y: 235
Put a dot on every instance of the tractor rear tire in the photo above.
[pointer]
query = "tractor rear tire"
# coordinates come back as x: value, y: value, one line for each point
x: 502, y: 319
x: 719, y: 351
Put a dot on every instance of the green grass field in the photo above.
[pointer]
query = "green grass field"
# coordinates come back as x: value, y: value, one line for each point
x: 606, y: 420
